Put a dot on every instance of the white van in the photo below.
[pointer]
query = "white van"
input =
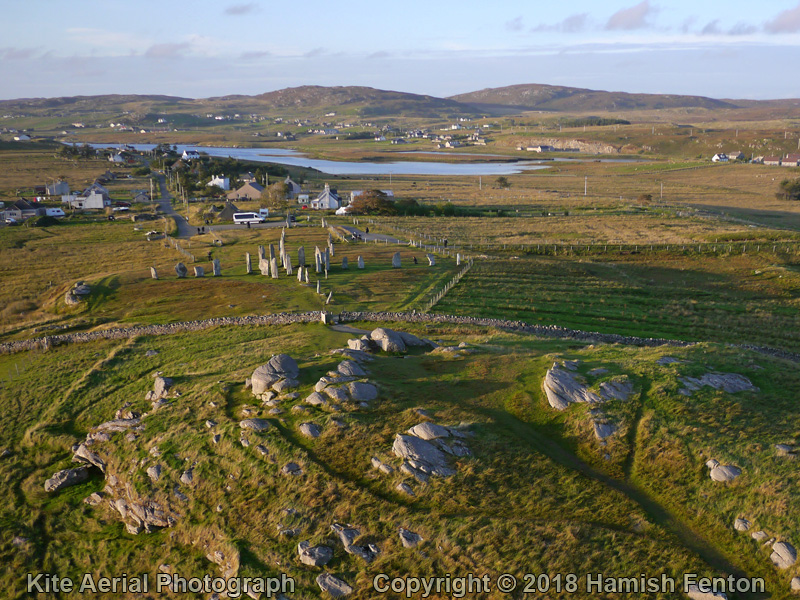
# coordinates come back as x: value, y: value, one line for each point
x: 244, y: 218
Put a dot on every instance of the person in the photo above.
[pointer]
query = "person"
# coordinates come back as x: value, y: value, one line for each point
x: 209, y: 255
x: 415, y: 260
x: 366, y: 229
x: 198, y: 231
x: 248, y: 224
x: 445, y: 243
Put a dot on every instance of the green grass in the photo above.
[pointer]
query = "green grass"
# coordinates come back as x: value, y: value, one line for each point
x: 739, y: 299
x: 536, y: 495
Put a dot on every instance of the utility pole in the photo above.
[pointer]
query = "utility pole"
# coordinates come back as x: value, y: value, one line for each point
x: 480, y: 182
x: 585, y: 184
x: 662, y: 190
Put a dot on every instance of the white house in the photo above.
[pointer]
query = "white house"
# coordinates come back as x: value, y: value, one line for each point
x: 721, y: 157
x: 224, y: 183
x: 86, y: 201
x: 190, y: 155
x: 22, y: 138
x: 327, y: 200
x: 117, y: 158
x: 293, y: 190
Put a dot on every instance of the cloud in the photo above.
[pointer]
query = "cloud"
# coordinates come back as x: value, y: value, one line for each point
x: 314, y: 53
x: 241, y: 9
x: 572, y: 24
x: 514, y: 24
x: 255, y: 54
x: 166, y: 51
x: 634, y: 17
x: 787, y: 21
x: 713, y: 28
x: 379, y: 54
x: 18, y: 53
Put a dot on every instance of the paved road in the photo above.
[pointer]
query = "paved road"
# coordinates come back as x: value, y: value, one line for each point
x: 372, y: 236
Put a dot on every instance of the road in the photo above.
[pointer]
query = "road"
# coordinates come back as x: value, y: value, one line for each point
x: 369, y: 237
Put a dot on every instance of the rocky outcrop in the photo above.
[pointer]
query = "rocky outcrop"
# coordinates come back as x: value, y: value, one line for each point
x: 564, y: 388
x: 783, y: 555
x: 333, y: 585
x: 727, y: 382
x: 314, y: 556
x: 281, y: 366
x: 66, y: 478
x: 388, y: 340
x: 409, y: 539
x: 425, y: 456
x: 348, y: 535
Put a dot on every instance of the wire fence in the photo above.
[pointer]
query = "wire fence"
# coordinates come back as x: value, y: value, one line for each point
x: 176, y: 245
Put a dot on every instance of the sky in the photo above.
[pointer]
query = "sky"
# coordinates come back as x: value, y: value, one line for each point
x: 203, y: 48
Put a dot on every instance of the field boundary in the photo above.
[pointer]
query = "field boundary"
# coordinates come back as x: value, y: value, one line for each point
x: 550, y: 331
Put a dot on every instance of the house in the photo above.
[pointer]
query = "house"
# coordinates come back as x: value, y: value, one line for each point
x: 541, y: 149
x: 790, y: 160
x: 92, y: 200
x: 223, y: 183
x: 328, y: 199
x: 721, y: 157
x: 396, y: 141
x: 247, y: 177
x: 22, y: 209
x: 190, y: 155
x: 141, y: 196
x: 117, y: 158
x: 249, y: 191
x: 772, y: 161
x: 737, y: 155
x: 293, y: 190
x: 22, y: 138
x: 380, y: 138
x: 57, y: 188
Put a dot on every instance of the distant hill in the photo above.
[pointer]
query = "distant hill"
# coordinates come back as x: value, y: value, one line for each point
x: 568, y: 99
x: 305, y: 100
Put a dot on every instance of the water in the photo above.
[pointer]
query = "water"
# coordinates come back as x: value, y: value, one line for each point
x: 284, y: 156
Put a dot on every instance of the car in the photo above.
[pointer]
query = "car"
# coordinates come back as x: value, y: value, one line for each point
x: 123, y: 204
x: 120, y: 209
x: 11, y: 221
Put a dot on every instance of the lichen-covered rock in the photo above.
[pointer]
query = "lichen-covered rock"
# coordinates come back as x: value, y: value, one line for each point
x: 727, y: 382
x: 314, y: 556
x: 333, y: 585
x: 361, y: 391
x: 741, y: 524
x: 410, y: 539
x: 723, y: 473
x: 66, y: 478
x: 563, y: 388
x: 429, y: 431
x: 280, y: 366
x: 255, y: 424
x: 311, y: 430
x: 388, y: 340
x: 616, y: 389
x: 783, y: 555
x: 350, y: 368
x: 421, y: 455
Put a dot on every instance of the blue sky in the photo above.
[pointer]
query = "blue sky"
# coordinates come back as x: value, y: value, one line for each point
x: 201, y: 48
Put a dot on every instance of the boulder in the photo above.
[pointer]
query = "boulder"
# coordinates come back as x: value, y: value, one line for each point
x: 795, y: 584
x: 284, y: 385
x: 741, y: 524
x: 66, y: 478
x: 694, y: 592
x: 119, y: 424
x: 616, y: 390
x: 783, y: 555
x: 563, y: 388
x: 359, y: 344
x: 316, y: 399
x: 280, y: 366
x: 724, y: 473
x: 83, y: 454
x: 421, y: 455
x: 727, y: 382
x: 333, y: 585
x: 362, y: 392
x: 291, y: 468
x: 388, y: 340
x: 348, y: 535
x: 429, y: 431
x: 410, y: 340
x: 161, y: 386
x: 405, y: 489
x: 349, y: 368
x: 409, y: 539
x: 337, y: 394
x: 181, y: 271
x: 759, y: 536
x: 311, y: 430
x: 255, y: 424
x: 603, y: 429
x: 784, y: 449
x: 314, y: 556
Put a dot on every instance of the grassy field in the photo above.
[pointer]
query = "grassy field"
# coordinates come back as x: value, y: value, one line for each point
x: 741, y: 299
x: 536, y: 495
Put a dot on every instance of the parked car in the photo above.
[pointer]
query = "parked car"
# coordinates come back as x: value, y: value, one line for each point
x: 123, y: 204
x: 11, y: 221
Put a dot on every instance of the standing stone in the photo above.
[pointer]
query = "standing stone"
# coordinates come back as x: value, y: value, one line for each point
x: 458, y: 259
x: 327, y: 260
x: 330, y: 248
x: 329, y: 298
x: 263, y: 266
x: 301, y: 256
x: 271, y: 251
x: 305, y: 274
x: 360, y: 262
x: 287, y: 263
x: 396, y: 260
x: 431, y: 260
x: 282, y: 248
x: 300, y: 274
x: 248, y: 265
x: 317, y: 259
x: 153, y: 273
x: 261, y: 253
x: 199, y: 272
x: 217, y: 268
x: 180, y: 270
x: 273, y: 266
x: 318, y: 287
x: 344, y: 262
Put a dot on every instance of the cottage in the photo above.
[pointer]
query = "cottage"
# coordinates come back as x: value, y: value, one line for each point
x: 117, y: 158
x: 223, y: 183
x: 721, y: 157
x: 328, y: 199
x: 190, y: 155
x: 772, y: 161
x: 737, y: 155
x: 249, y: 191
x: 57, y: 188
x: 293, y: 190
x: 790, y: 160
x: 141, y: 196
x: 247, y: 177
